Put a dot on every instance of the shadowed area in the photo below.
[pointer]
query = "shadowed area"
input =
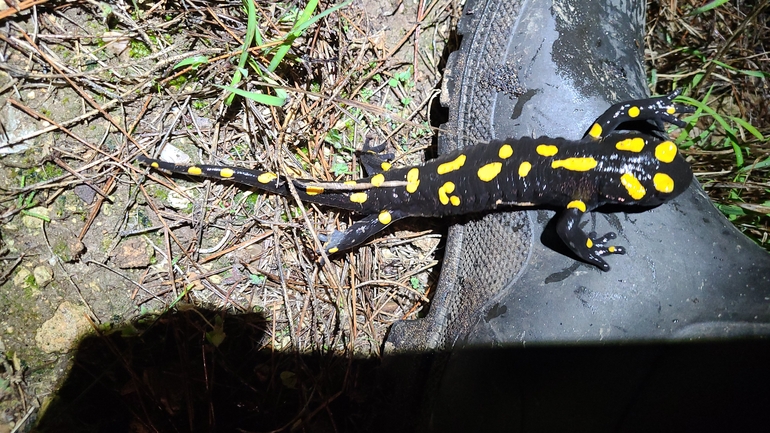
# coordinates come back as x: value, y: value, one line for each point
x: 168, y: 375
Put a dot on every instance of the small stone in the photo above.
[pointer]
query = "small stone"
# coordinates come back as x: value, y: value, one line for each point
x: 43, y: 275
x: 171, y: 153
x: 60, y: 333
x: 85, y: 193
x: 133, y: 253
x: 177, y: 201
x: 69, y: 250
x: 25, y: 279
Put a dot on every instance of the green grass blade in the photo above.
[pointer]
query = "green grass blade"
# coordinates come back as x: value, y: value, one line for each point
x: 709, y: 6
x: 736, y: 149
x: 732, y: 134
x: 36, y: 215
x: 756, y: 74
x: 193, y: 61
x: 302, y: 26
x: 284, y: 48
x: 751, y: 73
x: 749, y: 127
x: 306, y: 15
x: 260, y: 98
x: 758, y: 166
x: 305, y: 20
x: 251, y: 30
x: 280, y: 53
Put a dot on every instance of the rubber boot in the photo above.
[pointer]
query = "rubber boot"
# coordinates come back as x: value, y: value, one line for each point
x: 520, y: 333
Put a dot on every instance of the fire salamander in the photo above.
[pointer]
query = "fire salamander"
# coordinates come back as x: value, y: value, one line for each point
x: 575, y: 176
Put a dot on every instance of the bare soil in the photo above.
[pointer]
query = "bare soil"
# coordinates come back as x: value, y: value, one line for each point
x: 93, y: 245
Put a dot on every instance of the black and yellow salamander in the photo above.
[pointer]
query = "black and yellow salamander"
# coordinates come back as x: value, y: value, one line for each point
x: 607, y: 167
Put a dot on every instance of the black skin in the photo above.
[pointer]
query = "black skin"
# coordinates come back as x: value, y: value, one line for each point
x: 608, y: 166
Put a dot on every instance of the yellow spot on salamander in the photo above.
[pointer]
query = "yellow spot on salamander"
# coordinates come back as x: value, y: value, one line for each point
x: 444, y: 190
x: 575, y: 164
x: 524, y: 168
x: 358, y: 197
x: 412, y: 180
x: 451, y: 165
x: 195, y: 171
x: 505, y: 151
x: 314, y: 190
x: 634, y: 187
x: 577, y: 204
x: 666, y: 151
x: 385, y: 166
x: 631, y: 144
x: 226, y: 172
x: 455, y: 200
x: 378, y: 179
x: 385, y: 217
x: 663, y: 182
x: 490, y: 171
x: 155, y: 164
x: 547, y: 149
x: 671, y: 110
x: 611, y: 249
x: 350, y: 182
x: 633, y: 111
x: 333, y: 250
x: 596, y: 131
x: 266, y: 177
x: 589, y: 243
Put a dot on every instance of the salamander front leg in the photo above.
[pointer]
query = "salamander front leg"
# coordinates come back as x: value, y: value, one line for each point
x: 360, y: 231
x: 372, y: 158
x: 660, y: 110
x: 589, y: 248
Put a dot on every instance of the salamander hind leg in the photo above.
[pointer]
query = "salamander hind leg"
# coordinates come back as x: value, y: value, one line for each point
x: 660, y: 110
x: 587, y: 247
x: 360, y: 231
